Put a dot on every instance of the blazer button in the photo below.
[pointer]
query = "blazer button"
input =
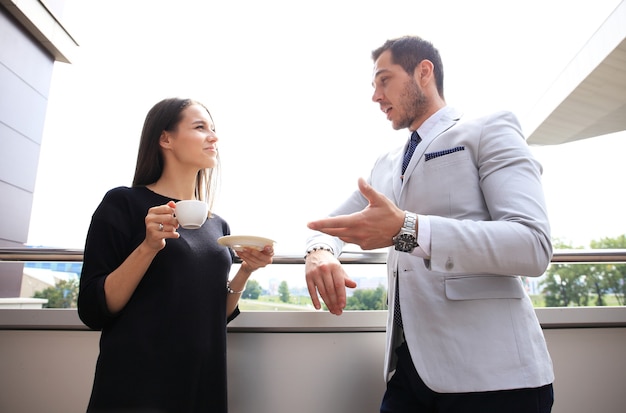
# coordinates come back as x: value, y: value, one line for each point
x: 449, y: 264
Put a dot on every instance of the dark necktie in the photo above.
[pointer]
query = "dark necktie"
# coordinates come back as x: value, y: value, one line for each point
x: 397, y: 315
x: 415, y: 140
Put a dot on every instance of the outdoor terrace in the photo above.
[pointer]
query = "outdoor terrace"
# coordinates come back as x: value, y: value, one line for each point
x: 300, y: 362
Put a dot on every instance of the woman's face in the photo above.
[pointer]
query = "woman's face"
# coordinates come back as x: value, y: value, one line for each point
x: 193, y: 142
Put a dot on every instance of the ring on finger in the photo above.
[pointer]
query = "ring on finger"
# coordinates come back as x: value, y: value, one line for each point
x: 160, y: 227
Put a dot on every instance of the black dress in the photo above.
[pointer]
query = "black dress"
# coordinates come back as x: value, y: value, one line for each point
x: 166, y: 350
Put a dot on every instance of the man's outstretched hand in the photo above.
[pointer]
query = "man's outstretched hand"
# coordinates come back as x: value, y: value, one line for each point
x: 373, y: 227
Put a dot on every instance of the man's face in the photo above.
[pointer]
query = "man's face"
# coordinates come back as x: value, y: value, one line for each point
x: 397, y: 93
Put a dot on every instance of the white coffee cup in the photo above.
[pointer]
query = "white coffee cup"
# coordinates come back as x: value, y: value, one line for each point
x: 191, y: 214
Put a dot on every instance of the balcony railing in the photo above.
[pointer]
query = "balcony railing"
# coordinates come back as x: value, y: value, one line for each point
x: 361, y: 257
x: 301, y: 362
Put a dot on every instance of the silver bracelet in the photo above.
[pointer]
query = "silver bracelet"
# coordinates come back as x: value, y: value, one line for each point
x: 231, y: 291
x: 319, y: 247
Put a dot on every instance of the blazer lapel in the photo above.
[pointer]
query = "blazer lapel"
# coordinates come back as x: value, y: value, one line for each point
x: 397, y: 173
x: 449, y: 119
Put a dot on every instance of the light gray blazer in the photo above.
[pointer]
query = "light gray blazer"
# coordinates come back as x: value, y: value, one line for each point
x: 468, y: 322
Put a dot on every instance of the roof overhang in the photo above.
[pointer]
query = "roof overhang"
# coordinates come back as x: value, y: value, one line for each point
x: 41, y: 23
x: 589, y: 97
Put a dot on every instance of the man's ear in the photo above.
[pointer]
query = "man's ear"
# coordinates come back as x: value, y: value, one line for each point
x: 424, y: 72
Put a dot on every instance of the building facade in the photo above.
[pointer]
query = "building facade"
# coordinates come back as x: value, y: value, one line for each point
x: 32, y: 39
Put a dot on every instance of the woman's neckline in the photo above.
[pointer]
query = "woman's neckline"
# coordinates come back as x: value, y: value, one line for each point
x: 169, y: 198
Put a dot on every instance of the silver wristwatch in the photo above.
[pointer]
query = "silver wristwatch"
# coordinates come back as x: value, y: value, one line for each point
x: 406, y: 240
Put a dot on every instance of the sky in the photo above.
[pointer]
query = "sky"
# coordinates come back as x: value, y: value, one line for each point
x: 289, y: 87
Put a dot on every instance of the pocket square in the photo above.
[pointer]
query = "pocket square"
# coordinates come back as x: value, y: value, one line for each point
x: 437, y: 154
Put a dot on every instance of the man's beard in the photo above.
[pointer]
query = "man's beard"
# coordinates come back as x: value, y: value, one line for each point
x: 414, y: 104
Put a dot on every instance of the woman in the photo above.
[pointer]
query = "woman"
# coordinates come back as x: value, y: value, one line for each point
x: 160, y: 293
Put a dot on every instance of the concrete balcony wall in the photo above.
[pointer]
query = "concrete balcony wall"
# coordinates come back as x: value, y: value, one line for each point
x: 302, y: 362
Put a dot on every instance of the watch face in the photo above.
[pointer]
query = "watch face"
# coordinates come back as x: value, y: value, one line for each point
x: 405, y: 243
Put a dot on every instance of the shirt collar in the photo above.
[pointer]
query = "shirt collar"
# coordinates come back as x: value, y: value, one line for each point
x: 430, y: 123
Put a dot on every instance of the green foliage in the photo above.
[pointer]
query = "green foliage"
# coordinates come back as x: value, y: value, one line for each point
x: 613, y: 275
x: 368, y: 299
x: 586, y: 284
x: 565, y: 285
x: 253, y: 290
x: 610, y: 243
x: 63, y: 295
x: 283, y: 292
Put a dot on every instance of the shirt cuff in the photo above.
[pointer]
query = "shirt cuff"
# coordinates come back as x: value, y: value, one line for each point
x: 423, y: 237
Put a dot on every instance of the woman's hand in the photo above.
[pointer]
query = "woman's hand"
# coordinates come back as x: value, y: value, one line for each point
x: 160, y: 225
x: 254, y: 259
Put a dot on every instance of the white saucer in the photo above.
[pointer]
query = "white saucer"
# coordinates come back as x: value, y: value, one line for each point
x: 239, y: 242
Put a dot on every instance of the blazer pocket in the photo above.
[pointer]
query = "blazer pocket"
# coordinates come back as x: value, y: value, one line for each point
x: 438, y: 154
x: 483, y: 287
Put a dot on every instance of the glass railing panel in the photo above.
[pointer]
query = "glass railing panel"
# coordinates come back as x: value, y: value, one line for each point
x: 48, y: 278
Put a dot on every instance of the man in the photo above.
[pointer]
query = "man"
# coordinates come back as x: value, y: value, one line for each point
x: 464, y: 218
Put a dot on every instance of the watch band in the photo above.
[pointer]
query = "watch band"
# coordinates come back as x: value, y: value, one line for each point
x: 406, y: 240
x: 410, y: 219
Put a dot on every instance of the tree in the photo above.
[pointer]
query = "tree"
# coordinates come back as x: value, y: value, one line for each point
x: 575, y: 284
x: 63, y: 295
x: 368, y: 299
x: 565, y: 285
x: 283, y: 292
x: 614, y: 275
x: 252, y: 291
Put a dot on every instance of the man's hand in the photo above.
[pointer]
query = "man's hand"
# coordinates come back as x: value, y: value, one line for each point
x: 324, y: 274
x: 373, y: 227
